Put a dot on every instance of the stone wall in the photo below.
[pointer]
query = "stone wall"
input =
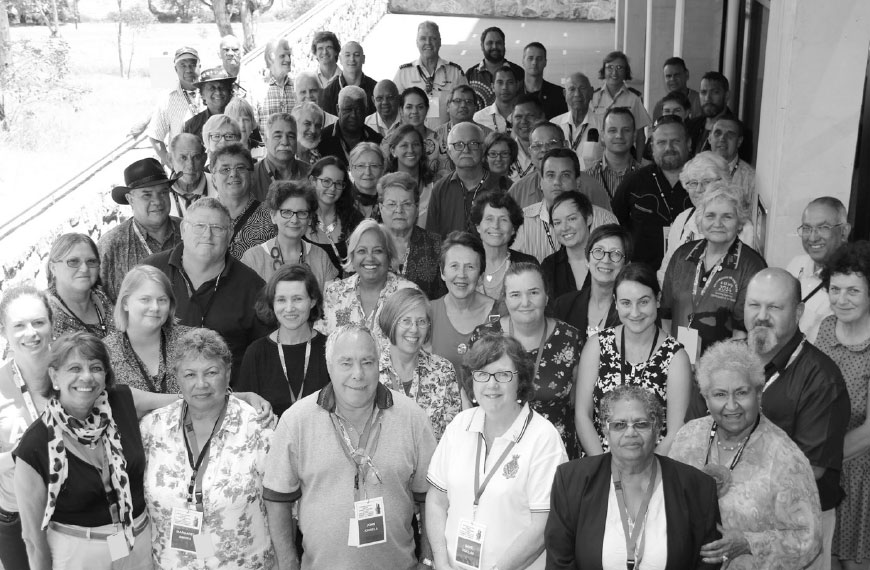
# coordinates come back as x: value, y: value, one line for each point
x: 543, y: 9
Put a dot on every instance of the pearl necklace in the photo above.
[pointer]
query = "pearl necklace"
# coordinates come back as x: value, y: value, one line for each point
x: 490, y: 276
x: 735, y: 447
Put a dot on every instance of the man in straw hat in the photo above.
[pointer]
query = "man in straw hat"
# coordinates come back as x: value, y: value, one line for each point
x: 216, y: 89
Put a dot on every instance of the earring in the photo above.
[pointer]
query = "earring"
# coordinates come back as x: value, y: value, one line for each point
x: 519, y: 401
x: 474, y: 400
x: 56, y: 388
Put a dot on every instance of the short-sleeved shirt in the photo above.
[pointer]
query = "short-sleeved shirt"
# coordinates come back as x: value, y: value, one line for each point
x: 447, y: 76
x: 450, y: 204
x: 527, y: 190
x: 273, y: 96
x: 329, y: 94
x: 710, y: 302
x: 521, y: 485
x: 376, y: 123
x: 584, y: 139
x: 224, y: 304
x: 490, y: 118
x: 817, y: 306
x: 332, y: 143
x: 810, y: 402
x: 536, y: 236
x: 625, y: 97
x: 173, y: 110
x: 481, y: 80
x: 307, y: 463
x: 127, y: 245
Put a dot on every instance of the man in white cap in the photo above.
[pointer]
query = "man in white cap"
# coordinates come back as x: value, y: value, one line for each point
x: 178, y: 106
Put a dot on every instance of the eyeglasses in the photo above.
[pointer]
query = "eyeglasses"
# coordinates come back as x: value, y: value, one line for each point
x: 825, y: 230
x: 502, y: 376
x: 468, y: 102
x: 422, y: 322
x: 502, y: 155
x: 300, y: 214
x: 643, y: 425
x: 229, y: 137
x: 695, y: 184
x: 328, y: 183
x: 396, y: 206
x: 368, y: 166
x: 200, y: 229
x: 548, y: 145
x: 614, y: 254
x: 226, y: 170
x: 459, y: 146
x: 76, y: 262
x: 612, y: 67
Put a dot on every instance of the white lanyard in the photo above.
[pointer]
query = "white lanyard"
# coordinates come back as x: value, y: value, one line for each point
x: 25, y: 393
x: 791, y: 359
x: 141, y: 238
x: 293, y: 397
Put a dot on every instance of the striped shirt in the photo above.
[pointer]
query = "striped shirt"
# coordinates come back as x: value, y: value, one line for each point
x: 175, y: 109
x: 536, y: 236
x: 610, y: 178
x: 273, y: 97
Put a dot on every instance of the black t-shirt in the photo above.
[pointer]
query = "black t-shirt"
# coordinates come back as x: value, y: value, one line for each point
x: 82, y: 499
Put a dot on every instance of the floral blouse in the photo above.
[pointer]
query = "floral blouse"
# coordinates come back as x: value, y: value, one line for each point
x: 232, y: 486
x: 771, y: 496
x: 128, y: 368
x: 434, y: 387
x: 555, y: 380
x: 342, y: 306
x: 65, y: 322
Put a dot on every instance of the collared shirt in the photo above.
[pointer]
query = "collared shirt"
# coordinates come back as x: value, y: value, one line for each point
x: 481, y: 80
x: 491, y: 118
x: 376, y: 123
x: 809, y: 401
x: 536, y: 236
x: 440, y: 85
x: 450, y: 204
x: 528, y: 190
x: 265, y: 173
x: 323, y: 79
x: 224, y: 304
x: 743, y: 175
x: 126, y: 245
x: 625, y: 97
x: 817, y: 306
x: 332, y: 143
x: 273, y: 97
x: 433, y: 387
x: 172, y: 112
x: 714, y: 304
x: 584, y: 138
x: 552, y: 98
x: 307, y: 463
x: 329, y: 95
x: 180, y: 200
x: 609, y: 177
x: 523, y: 165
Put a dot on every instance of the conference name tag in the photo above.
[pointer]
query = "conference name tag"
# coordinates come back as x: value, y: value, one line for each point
x: 185, y: 533
x: 691, y: 342
x: 367, y: 527
x: 434, y: 107
x: 469, y: 544
x: 118, y: 548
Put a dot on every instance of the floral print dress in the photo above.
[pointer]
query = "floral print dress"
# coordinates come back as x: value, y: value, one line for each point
x: 554, y: 382
x: 651, y: 374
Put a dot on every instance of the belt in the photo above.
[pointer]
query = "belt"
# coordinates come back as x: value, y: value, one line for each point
x: 91, y: 534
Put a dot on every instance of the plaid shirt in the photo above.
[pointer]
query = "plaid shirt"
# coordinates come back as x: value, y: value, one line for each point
x: 274, y: 97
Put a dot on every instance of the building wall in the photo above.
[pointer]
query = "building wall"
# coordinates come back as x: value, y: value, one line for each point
x: 544, y: 9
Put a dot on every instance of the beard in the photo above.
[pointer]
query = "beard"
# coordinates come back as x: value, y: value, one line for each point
x: 762, y: 339
x: 307, y: 143
x: 710, y: 110
x: 494, y: 56
x: 671, y: 161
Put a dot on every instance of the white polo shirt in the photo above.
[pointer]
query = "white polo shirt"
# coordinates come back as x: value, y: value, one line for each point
x: 818, y: 306
x: 490, y: 117
x: 520, y: 486
x: 577, y: 137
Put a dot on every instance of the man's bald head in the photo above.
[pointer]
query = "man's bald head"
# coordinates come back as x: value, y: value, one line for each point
x: 781, y: 280
x: 352, y: 58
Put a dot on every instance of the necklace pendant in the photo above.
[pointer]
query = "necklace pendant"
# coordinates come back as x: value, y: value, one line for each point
x: 488, y: 278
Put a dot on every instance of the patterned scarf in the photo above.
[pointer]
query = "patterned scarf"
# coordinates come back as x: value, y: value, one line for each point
x: 99, y: 427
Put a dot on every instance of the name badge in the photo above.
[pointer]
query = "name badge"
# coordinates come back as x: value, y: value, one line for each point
x: 691, y: 341
x: 469, y: 544
x: 185, y: 533
x: 118, y: 548
x: 434, y: 107
x: 367, y: 527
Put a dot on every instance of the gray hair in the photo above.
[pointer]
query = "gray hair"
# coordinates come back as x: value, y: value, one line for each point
x: 633, y: 393
x: 305, y: 76
x: 353, y: 92
x: 209, y: 203
x: 703, y: 162
x: 307, y: 107
x: 731, y: 193
x: 177, y: 139
x: 361, y: 148
x: 341, y: 331
x: 365, y: 226
x: 733, y: 356
x: 401, y: 180
x: 833, y: 204
x: 205, y: 344
x: 238, y: 108
x: 217, y: 121
x: 275, y: 117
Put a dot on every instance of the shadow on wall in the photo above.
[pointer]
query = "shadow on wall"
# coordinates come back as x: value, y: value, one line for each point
x: 544, y: 9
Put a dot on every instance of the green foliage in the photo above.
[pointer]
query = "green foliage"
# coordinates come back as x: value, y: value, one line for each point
x: 290, y: 14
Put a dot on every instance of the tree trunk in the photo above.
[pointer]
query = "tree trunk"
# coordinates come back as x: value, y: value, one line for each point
x: 248, y: 14
x: 130, y: 59
x: 55, y: 25
x: 222, y: 18
x: 120, y: 38
x: 5, y: 45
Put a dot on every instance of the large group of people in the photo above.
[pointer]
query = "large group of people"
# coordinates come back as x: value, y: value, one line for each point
x: 331, y: 288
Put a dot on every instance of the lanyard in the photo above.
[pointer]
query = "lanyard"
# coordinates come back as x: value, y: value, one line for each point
x: 360, y: 456
x: 699, y: 297
x: 549, y: 235
x: 575, y: 142
x: 192, y: 448
x: 740, y: 448
x: 428, y: 80
x: 465, y: 204
x: 85, y: 325
x: 686, y: 223
x: 540, y: 345
x: 622, y: 353
x: 190, y: 104
x: 142, y: 240
x: 479, y: 487
x: 811, y: 293
x: 791, y: 359
x: 25, y: 393
x: 670, y: 218
x: 293, y: 397
x: 191, y: 291
x: 634, y: 531
x: 144, y: 372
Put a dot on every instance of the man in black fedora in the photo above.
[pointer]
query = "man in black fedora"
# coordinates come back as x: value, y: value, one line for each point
x: 216, y: 89
x: 149, y: 231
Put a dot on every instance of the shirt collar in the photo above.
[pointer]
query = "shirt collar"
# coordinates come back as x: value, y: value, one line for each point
x: 779, y: 362
x: 438, y: 65
x: 326, y: 397
x: 515, y: 432
x: 730, y: 261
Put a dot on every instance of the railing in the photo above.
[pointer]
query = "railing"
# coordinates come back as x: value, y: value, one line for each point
x: 82, y: 204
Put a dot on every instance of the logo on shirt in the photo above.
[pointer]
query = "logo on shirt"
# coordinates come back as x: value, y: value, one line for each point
x: 511, y: 468
x: 725, y: 289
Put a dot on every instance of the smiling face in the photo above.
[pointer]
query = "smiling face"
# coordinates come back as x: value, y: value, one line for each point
x: 147, y: 307
x: 497, y: 397
x: 307, y: 89
x: 849, y: 297
x: 232, y: 175
x: 207, y: 245
x: 618, y: 133
x: 543, y: 139
x: 408, y: 151
x: 526, y: 297
x: 27, y: 328
x: 733, y: 402
x: 281, y: 142
x: 571, y: 228
x: 719, y: 222
x: 630, y: 444
x: 614, y: 73
x: 414, y: 110
x: 818, y: 246
x: 325, y: 54
x: 370, y: 258
x: 725, y: 139
x: 386, y: 99
x: 637, y: 306
x: 353, y: 370
x: 410, y: 335
x: 398, y: 209
x: 216, y: 95
x: 493, y: 47
x: 604, y: 271
x: 281, y: 60
x: 325, y: 185
x: 495, y: 227
x: 578, y: 93
x: 150, y: 204
x: 352, y: 58
x: 428, y: 42
x: 219, y: 140
x: 310, y: 125
x: 461, y: 271
x: 367, y: 170
x: 294, y: 228
x: 203, y: 383
x: 79, y: 381
x: 81, y: 278
x: 498, y: 158
x: 525, y: 115
x: 292, y: 305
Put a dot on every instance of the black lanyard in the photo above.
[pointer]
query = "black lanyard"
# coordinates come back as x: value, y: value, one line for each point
x: 701, y: 296
x: 740, y: 448
x: 811, y: 293
x: 623, y: 362
x: 194, y: 487
x: 428, y: 80
x: 473, y: 197
x: 670, y: 217
x: 144, y: 371
x: 540, y: 345
x: 191, y: 290
x: 683, y: 231
x: 575, y: 142
x: 633, y: 530
x: 549, y: 235
x: 85, y: 325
